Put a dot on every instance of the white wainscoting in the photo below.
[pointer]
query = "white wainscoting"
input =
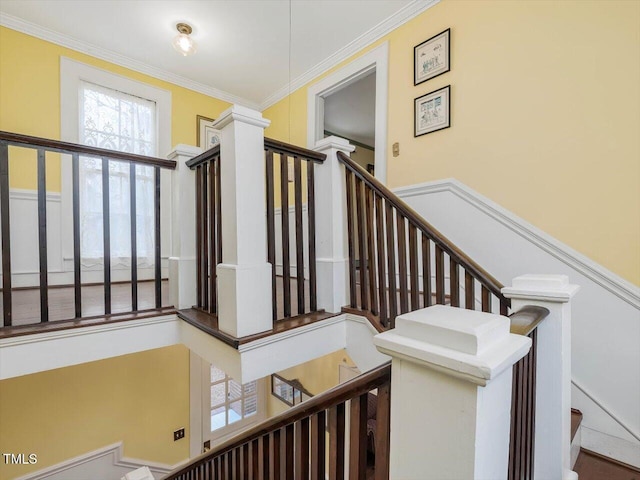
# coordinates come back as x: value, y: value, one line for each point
x: 606, y: 311
x: 106, y: 463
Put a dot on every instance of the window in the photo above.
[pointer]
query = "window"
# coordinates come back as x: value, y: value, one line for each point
x: 231, y: 402
x: 116, y: 121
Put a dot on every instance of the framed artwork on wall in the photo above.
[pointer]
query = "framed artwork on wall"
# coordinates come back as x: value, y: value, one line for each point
x: 206, y: 136
x: 432, y: 57
x: 432, y: 111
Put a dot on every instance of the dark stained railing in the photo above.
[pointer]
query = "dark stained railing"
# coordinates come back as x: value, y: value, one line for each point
x: 523, y: 400
x: 309, y: 441
x: 208, y: 227
x: 43, y: 145
x: 392, y: 250
x: 277, y: 158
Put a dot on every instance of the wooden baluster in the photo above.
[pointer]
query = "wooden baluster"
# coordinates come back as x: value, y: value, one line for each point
x: 244, y: 465
x: 402, y: 263
x: 351, y: 240
x: 284, y: 208
x: 302, y: 449
x: 77, y: 283
x: 413, y: 267
x: 358, y: 438
x: 271, y: 232
x: 106, y: 236
x: 133, y: 212
x: 504, y: 307
x: 439, y: 275
x: 371, y: 259
x: 42, y: 235
x: 318, y: 446
x: 391, y: 263
x: 276, y: 449
x: 311, y: 219
x: 264, y: 453
x: 199, y: 234
x: 382, y: 277
x: 382, y: 437
x: 532, y: 401
x: 254, y: 457
x: 218, y: 211
x: 237, y: 470
x: 469, y: 292
x: 288, y: 451
x: 213, y: 287
x: 426, y: 272
x: 336, y: 442
x: 362, y: 245
x: 486, y: 299
x: 454, y: 282
x: 204, y: 220
x: 158, y: 228
x: 297, y: 187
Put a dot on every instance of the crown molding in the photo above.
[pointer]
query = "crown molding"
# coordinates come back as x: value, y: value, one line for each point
x: 15, y: 23
x: 411, y: 10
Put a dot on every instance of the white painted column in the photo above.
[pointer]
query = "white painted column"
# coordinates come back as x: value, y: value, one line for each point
x: 332, y: 253
x: 182, y: 262
x: 450, y: 393
x: 244, y: 277
x: 553, y: 370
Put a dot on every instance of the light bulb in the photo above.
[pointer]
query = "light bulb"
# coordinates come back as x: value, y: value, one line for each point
x: 183, y: 43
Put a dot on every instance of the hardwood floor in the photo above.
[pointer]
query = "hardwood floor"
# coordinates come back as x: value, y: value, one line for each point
x: 592, y: 466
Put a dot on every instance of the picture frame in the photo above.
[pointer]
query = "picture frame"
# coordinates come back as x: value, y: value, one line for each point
x: 207, y: 137
x: 432, y: 57
x: 432, y: 111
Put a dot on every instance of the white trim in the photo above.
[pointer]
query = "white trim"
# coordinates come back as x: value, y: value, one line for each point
x: 610, y: 446
x: 377, y: 60
x: 411, y: 10
x: 27, y: 194
x: 114, y: 450
x: 615, y: 284
x: 63, y: 40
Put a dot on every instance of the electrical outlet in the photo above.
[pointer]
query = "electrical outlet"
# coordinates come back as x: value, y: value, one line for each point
x: 178, y: 434
x: 396, y: 149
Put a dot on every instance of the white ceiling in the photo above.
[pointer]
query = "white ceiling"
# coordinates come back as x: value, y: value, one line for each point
x: 243, y: 45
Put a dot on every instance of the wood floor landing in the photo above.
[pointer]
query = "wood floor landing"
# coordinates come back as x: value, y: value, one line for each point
x: 593, y: 466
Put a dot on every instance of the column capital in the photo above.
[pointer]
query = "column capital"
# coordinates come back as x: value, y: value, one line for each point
x: 183, y: 150
x: 472, y: 346
x: 238, y: 113
x: 335, y: 143
x: 546, y: 288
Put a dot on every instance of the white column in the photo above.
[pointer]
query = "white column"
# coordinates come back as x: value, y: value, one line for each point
x: 450, y: 393
x: 182, y: 262
x: 332, y: 253
x: 553, y: 370
x: 244, y: 277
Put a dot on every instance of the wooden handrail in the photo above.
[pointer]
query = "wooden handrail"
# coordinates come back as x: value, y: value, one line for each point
x: 525, y: 320
x: 454, y: 252
x: 351, y: 389
x: 281, y: 147
x: 204, y: 157
x: 21, y: 140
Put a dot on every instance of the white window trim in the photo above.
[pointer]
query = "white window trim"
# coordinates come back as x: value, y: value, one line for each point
x: 71, y: 74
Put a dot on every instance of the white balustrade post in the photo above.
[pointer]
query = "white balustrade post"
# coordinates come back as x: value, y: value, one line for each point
x: 332, y: 253
x: 553, y: 370
x: 244, y: 276
x: 450, y: 393
x: 182, y: 262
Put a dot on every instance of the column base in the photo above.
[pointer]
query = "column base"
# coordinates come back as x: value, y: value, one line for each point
x: 182, y: 282
x: 332, y: 280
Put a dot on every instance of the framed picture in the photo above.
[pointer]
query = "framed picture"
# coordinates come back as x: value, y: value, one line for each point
x: 432, y: 57
x: 206, y: 136
x: 432, y: 111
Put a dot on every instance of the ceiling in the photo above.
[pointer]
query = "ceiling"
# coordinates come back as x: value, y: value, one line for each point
x: 243, y: 46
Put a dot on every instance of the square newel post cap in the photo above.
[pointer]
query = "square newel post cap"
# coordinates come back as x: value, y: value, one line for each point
x: 547, y: 288
x: 470, y: 345
x: 335, y: 143
x: 184, y: 150
x: 238, y: 113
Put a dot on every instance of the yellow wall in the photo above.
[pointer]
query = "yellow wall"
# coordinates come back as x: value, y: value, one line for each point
x: 545, y: 116
x: 30, y: 99
x: 139, y: 399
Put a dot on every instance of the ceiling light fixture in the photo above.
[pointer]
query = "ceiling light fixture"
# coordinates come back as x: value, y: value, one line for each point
x: 183, y: 43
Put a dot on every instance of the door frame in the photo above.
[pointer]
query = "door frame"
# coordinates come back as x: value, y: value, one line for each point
x: 376, y: 60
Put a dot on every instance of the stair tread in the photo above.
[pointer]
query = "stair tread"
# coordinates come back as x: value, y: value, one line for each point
x: 592, y: 466
x: 576, y: 419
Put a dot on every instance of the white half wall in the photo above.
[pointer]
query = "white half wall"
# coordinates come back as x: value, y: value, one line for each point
x: 606, y: 312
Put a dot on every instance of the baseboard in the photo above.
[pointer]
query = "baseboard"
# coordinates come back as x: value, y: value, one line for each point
x: 594, y: 271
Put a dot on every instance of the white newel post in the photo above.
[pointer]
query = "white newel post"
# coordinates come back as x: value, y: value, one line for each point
x: 450, y: 393
x: 182, y: 262
x: 244, y: 276
x: 332, y: 253
x: 553, y: 370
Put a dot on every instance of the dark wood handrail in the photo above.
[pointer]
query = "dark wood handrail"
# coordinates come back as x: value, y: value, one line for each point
x: 525, y: 320
x: 19, y: 139
x: 454, y: 252
x: 281, y: 147
x: 341, y: 393
x: 204, y: 157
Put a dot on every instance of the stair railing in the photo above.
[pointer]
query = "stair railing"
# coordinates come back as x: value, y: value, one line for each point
x: 391, y: 252
x: 42, y: 146
x: 310, y: 438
